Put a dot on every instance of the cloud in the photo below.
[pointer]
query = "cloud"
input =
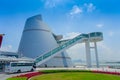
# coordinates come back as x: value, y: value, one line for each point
x: 111, y: 33
x: 71, y: 35
x: 105, y: 48
x: 6, y: 48
x: 86, y: 7
x: 76, y: 10
x: 106, y: 53
x: 78, y: 51
x: 90, y: 7
x: 99, y: 25
x: 51, y: 3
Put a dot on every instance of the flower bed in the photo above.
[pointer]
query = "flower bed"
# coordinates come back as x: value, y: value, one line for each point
x: 113, y: 73
x: 75, y: 75
x: 25, y: 76
x: 29, y: 75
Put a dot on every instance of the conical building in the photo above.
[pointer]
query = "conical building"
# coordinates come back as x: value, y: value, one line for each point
x: 37, y: 39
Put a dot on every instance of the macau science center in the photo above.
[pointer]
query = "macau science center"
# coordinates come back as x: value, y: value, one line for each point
x: 39, y: 44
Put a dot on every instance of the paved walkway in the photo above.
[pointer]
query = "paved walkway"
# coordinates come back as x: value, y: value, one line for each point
x: 4, y: 76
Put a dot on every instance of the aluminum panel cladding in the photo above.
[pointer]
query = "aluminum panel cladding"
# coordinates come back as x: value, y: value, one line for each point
x: 36, y: 38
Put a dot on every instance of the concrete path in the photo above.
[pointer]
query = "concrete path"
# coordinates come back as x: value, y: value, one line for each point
x: 4, y: 76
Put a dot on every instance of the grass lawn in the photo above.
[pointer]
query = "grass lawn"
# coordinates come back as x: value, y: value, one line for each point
x: 16, y: 78
x: 76, y: 76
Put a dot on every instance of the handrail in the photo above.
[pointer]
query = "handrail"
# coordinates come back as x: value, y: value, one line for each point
x: 67, y: 44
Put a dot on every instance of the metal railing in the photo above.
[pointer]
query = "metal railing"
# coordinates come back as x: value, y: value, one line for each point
x: 67, y: 44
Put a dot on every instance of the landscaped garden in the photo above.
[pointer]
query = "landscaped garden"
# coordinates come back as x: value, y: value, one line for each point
x: 68, y: 75
x: 74, y: 75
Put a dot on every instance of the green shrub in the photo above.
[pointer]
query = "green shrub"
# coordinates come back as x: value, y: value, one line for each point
x: 58, y: 71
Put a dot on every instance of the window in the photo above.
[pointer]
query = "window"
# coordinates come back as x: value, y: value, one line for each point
x: 21, y: 64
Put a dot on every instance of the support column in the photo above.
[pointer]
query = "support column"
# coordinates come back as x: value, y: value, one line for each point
x: 96, y: 55
x: 88, y: 54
